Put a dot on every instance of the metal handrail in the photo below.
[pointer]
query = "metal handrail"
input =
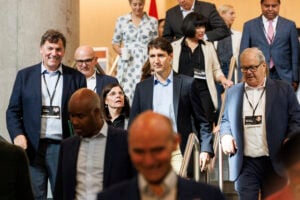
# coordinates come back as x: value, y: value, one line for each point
x: 192, y: 143
x: 217, y: 141
x: 114, y: 65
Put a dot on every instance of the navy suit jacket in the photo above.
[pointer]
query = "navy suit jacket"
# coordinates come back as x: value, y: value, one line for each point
x: 23, y: 115
x: 103, y: 80
x: 186, y: 190
x: 216, y: 27
x: 284, y: 48
x: 282, y: 117
x: 184, y: 108
x: 117, y: 164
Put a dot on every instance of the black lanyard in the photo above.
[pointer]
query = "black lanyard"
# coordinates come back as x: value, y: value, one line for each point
x: 257, y: 102
x: 51, y: 96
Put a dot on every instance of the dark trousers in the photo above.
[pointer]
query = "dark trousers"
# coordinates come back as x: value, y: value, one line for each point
x: 257, y: 175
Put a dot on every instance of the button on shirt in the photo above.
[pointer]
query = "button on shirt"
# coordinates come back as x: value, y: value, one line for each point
x: 90, y: 165
x: 255, y: 138
x: 91, y: 82
x: 51, y: 127
x: 169, y: 188
x: 163, y: 98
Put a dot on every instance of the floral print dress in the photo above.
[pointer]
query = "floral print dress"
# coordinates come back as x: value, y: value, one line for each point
x: 135, y: 40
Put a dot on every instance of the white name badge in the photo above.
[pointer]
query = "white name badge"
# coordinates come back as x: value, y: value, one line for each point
x: 51, y: 112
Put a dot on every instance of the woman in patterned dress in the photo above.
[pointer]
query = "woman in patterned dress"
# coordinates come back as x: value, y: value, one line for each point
x: 132, y: 34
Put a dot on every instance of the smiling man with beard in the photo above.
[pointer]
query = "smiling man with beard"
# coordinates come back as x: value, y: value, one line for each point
x: 37, y: 114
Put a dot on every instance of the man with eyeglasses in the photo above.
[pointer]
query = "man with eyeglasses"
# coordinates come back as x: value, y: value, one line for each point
x: 86, y: 62
x: 260, y: 114
x: 277, y: 38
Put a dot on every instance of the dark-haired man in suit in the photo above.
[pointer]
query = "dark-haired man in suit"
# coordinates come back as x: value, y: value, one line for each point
x: 151, y: 143
x: 216, y: 27
x: 97, y: 157
x: 277, y: 38
x: 37, y: 114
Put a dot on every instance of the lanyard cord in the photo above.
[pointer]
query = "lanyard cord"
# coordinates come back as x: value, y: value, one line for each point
x: 51, y: 96
x: 257, y: 102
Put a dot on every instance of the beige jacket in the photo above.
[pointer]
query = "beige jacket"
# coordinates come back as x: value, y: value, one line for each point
x: 212, y: 66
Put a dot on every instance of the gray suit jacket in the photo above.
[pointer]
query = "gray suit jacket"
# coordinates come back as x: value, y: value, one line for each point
x: 284, y: 49
x: 216, y: 27
x: 282, y: 116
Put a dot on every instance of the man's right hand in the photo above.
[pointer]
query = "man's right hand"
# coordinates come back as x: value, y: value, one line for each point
x: 228, y: 145
x: 21, y: 141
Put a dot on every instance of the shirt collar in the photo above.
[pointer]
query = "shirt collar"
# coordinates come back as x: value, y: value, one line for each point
x: 128, y: 17
x: 265, y: 20
x: 169, y: 182
x: 92, y: 77
x: 192, y: 8
x: 44, y: 69
x: 169, y: 79
x: 102, y: 133
x: 247, y: 87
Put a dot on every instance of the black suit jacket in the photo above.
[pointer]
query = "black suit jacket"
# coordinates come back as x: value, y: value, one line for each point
x: 186, y: 190
x: 103, y: 80
x: 23, y: 115
x: 216, y: 27
x: 15, y: 180
x: 117, y: 164
x: 185, y: 107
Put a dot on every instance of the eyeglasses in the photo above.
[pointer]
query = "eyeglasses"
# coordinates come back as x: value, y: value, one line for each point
x: 86, y: 61
x: 115, y: 93
x: 251, y: 68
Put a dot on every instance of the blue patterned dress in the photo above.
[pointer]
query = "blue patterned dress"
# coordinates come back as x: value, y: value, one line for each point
x: 135, y: 39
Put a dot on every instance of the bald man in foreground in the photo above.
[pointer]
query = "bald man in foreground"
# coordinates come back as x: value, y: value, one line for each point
x: 86, y: 62
x: 97, y: 157
x: 151, y: 143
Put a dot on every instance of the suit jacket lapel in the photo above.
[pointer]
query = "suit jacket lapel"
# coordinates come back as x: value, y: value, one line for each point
x: 66, y: 85
x: 270, y: 91
x: 278, y: 30
x: 73, y: 157
x: 99, y: 83
x: 176, y: 92
x: 261, y: 29
x: 149, y: 86
x: 37, y: 87
x: 109, y: 153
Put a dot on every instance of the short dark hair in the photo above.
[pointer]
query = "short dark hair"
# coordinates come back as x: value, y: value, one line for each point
x: 53, y: 36
x: 191, y: 21
x: 125, y: 110
x: 290, y: 151
x: 161, y: 43
x: 261, y: 1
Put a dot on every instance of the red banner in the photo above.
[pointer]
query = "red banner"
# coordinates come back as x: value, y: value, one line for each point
x: 153, y: 9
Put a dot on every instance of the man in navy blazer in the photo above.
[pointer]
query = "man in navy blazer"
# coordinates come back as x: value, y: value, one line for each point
x: 181, y: 102
x: 151, y: 143
x: 37, y: 114
x: 281, y: 49
x: 97, y: 157
x: 216, y: 27
x: 259, y: 116
x: 86, y: 61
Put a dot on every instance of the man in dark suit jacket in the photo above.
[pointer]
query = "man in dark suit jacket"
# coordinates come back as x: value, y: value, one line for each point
x: 15, y: 180
x: 151, y: 143
x: 216, y: 28
x: 181, y: 107
x: 86, y: 62
x: 259, y: 116
x: 281, y: 49
x: 97, y: 157
x: 37, y: 114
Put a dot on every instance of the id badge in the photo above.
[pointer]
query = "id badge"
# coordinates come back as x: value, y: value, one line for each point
x: 199, y: 74
x: 253, y: 120
x: 51, y: 112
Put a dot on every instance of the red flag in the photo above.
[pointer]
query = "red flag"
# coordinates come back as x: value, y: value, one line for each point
x: 152, y: 9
